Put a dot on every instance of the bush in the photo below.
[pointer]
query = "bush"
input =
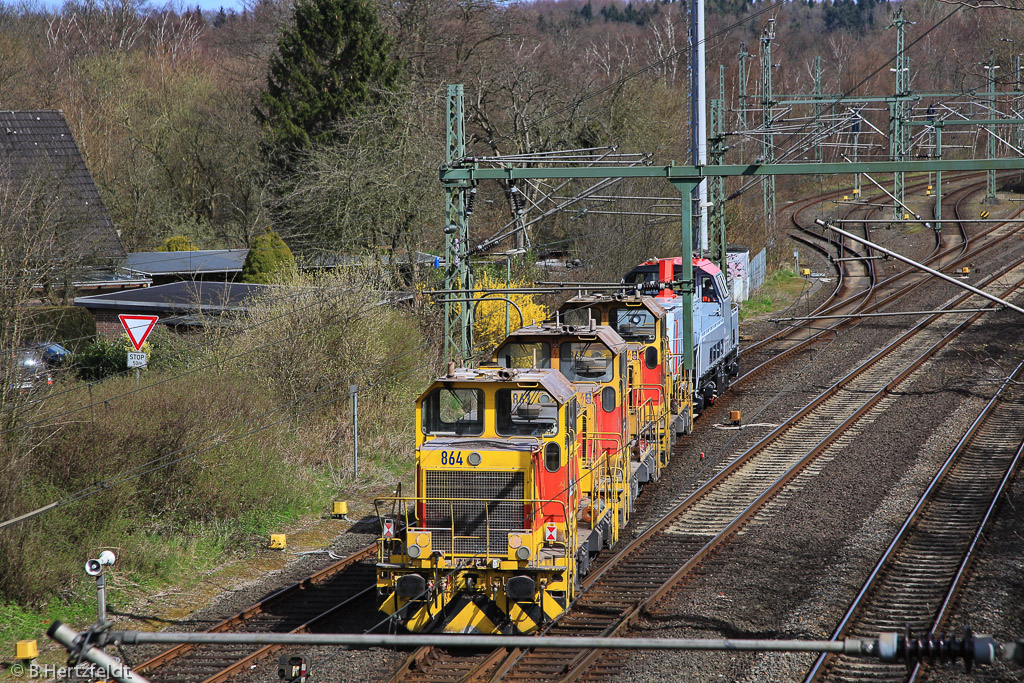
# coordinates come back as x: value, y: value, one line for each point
x: 205, y: 492
x: 71, y: 326
x: 177, y: 243
x: 104, y: 358
x: 269, y: 260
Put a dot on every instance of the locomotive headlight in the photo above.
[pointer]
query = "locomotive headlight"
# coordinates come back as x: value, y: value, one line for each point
x: 514, y: 541
x: 523, y: 553
x: 414, y: 551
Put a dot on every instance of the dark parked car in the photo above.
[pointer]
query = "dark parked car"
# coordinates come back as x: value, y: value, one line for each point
x: 34, y: 365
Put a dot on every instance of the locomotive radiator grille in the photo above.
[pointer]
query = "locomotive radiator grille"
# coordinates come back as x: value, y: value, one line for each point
x: 501, y: 512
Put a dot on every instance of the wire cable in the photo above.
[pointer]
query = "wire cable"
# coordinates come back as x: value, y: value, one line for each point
x: 168, y: 459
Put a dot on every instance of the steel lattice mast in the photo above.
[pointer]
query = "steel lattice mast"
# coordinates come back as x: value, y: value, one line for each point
x: 458, y: 317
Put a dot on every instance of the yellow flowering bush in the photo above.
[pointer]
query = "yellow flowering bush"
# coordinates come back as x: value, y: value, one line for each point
x: 489, y: 326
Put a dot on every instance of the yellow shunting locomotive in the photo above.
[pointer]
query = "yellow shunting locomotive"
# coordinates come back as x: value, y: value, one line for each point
x: 527, y: 467
x: 524, y: 471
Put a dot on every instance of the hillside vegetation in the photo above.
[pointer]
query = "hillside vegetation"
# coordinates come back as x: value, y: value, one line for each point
x: 323, y: 123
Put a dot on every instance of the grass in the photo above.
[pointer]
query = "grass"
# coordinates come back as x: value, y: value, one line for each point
x: 779, y: 290
x: 216, y: 496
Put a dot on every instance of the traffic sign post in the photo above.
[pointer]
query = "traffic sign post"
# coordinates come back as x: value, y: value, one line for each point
x: 138, y: 327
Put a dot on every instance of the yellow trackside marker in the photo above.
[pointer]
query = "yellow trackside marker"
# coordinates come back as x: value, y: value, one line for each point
x: 278, y: 541
x: 856, y: 191
x: 26, y: 649
x: 965, y: 270
x: 845, y: 197
x: 929, y: 187
x: 906, y: 216
x: 984, y: 214
x: 805, y: 271
x: 340, y: 508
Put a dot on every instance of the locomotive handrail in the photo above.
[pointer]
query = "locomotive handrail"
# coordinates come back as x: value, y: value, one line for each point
x: 414, y: 501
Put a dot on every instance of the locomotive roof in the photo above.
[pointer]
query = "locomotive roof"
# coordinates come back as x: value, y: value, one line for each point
x: 552, y: 381
x: 604, y: 334
x: 707, y: 265
x: 648, y: 302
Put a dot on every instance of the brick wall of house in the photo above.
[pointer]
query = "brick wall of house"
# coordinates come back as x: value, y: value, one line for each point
x: 108, y: 325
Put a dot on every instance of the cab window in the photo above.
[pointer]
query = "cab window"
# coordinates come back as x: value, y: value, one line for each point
x: 586, y: 362
x: 454, y: 412
x: 579, y: 316
x: 707, y: 290
x: 634, y: 324
x: 526, y: 355
x: 523, y: 412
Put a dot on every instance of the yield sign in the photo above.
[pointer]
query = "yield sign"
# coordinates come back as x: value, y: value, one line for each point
x: 138, y: 327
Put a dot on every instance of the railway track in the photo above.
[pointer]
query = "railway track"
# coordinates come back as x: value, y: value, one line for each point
x: 322, y: 597
x: 881, y: 295
x: 634, y: 580
x: 922, y: 569
x: 295, y: 609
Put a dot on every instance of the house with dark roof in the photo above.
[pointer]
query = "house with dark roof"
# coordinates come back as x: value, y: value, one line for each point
x: 38, y: 155
x: 182, y: 305
x: 162, y: 267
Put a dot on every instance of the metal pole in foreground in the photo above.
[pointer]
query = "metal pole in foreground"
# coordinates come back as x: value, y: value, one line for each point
x: 354, y: 393
x: 72, y: 640
x: 865, y: 647
x: 923, y: 267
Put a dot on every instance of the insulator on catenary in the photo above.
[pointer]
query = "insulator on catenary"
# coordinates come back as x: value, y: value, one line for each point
x: 914, y: 648
x: 470, y: 201
x: 518, y: 200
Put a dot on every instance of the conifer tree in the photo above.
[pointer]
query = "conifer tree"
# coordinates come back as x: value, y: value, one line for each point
x: 333, y: 58
x: 268, y: 259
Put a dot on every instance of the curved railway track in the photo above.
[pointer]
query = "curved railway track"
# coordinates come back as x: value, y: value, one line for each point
x: 295, y: 609
x: 319, y: 598
x: 631, y: 582
x: 886, y: 292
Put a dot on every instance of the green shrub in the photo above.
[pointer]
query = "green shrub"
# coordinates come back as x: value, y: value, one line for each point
x: 106, y: 357
x: 71, y: 326
x: 269, y: 260
x: 177, y: 243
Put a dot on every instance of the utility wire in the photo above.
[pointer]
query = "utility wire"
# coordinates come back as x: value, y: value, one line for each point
x: 186, y: 373
x: 845, y: 95
x: 653, y: 65
x: 168, y: 459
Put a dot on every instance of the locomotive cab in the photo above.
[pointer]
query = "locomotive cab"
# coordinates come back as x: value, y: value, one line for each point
x: 652, y: 400
x: 489, y: 542
x: 715, y: 321
x: 594, y: 359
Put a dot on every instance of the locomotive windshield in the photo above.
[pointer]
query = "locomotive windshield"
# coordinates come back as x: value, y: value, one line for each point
x: 521, y: 412
x: 453, y: 412
x: 585, y: 362
x: 526, y: 355
x: 633, y: 324
x: 578, y: 316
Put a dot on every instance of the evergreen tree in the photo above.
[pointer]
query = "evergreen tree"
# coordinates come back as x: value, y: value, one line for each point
x: 269, y: 258
x: 334, y: 58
